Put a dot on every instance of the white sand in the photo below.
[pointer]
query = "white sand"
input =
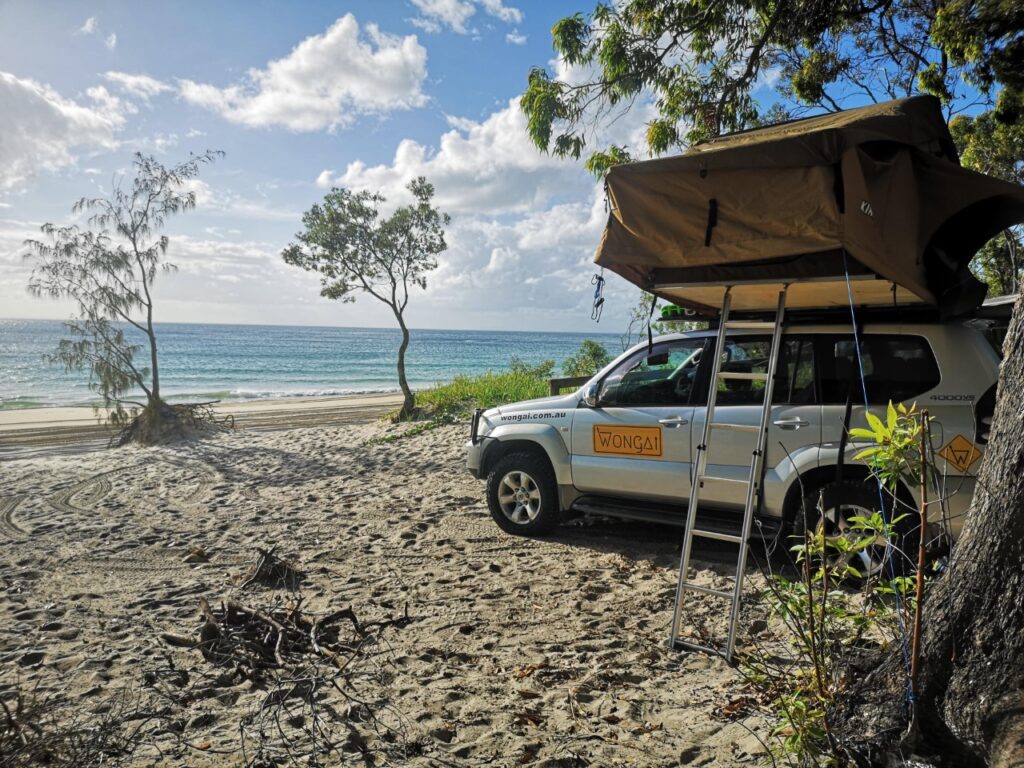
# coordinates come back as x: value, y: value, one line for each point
x: 521, y: 652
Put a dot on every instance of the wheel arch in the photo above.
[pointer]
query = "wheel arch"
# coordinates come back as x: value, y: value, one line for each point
x: 542, y: 439
x: 498, y: 449
x: 819, y: 477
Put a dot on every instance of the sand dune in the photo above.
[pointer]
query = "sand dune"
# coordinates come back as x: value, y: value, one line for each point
x: 518, y: 652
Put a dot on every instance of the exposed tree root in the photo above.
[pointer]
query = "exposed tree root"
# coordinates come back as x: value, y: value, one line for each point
x: 164, y: 423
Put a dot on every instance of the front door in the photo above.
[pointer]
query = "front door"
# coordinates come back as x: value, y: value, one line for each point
x: 636, y: 442
x: 794, y: 425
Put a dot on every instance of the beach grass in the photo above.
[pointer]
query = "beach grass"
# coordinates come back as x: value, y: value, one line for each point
x: 460, y: 396
x: 463, y: 394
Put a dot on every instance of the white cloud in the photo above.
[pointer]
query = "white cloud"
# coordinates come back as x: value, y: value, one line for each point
x: 325, y: 180
x: 515, y: 38
x: 325, y: 82
x: 89, y: 27
x: 43, y: 129
x: 490, y: 166
x: 455, y: 14
x: 111, y: 41
x: 501, y: 11
x: 140, y: 86
x: 451, y: 13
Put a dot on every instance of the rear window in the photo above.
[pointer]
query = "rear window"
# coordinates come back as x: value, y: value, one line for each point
x: 896, y: 368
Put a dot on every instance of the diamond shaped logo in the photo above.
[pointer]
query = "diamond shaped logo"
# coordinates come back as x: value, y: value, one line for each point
x: 960, y: 453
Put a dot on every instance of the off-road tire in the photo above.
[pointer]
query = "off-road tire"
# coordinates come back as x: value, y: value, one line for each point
x: 862, y: 497
x: 541, y: 479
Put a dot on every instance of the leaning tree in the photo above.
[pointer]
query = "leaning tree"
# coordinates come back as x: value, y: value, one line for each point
x: 353, y: 249
x: 107, y: 269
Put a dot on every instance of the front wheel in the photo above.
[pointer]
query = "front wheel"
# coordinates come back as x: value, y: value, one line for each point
x: 522, y: 495
x: 833, y: 510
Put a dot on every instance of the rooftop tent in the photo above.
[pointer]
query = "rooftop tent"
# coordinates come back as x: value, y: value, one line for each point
x: 877, y: 193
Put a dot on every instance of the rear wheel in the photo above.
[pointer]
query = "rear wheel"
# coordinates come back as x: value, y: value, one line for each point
x: 522, y: 495
x: 833, y: 509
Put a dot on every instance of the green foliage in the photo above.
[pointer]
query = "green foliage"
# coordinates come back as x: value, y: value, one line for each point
x: 700, y: 62
x: 588, y: 360
x: 896, y: 453
x: 107, y: 271
x: 824, y: 625
x: 353, y: 249
x: 541, y: 370
x: 462, y: 395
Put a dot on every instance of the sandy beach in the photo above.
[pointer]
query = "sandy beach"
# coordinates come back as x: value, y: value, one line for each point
x: 500, y: 650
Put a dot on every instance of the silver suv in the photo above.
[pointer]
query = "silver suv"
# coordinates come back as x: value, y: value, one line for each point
x: 622, y: 445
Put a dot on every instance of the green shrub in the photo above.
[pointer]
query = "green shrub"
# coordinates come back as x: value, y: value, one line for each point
x: 588, y: 360
x: 459, y: 397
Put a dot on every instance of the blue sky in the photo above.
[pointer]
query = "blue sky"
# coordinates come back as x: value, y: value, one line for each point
x: 302, y: 96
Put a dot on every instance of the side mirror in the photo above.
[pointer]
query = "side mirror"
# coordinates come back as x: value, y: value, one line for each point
x: 590, y: 395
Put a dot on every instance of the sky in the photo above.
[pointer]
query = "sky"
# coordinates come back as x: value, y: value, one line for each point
x: 302, y: 96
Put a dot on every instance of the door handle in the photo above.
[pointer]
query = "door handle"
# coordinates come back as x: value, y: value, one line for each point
x: 794, y: 423
x: 674, y: 421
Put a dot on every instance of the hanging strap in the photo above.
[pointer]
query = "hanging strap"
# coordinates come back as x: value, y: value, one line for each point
x: 598, y: 282
x: 650, y: 336
x: 712, y: 220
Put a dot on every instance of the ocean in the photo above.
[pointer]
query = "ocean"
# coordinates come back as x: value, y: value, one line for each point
x: 241, y: 362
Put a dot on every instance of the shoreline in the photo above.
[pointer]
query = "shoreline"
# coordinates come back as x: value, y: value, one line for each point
x: 73, y: 429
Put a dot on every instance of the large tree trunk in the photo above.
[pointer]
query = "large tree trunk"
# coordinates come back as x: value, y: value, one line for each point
x: 970, y: 703
x: 409, y: 404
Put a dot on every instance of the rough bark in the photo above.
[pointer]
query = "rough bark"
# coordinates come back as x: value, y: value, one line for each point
x: 409, y: 403
x: 970, y: 705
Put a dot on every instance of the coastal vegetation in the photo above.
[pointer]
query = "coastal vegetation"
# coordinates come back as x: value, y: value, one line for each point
x: 107, y: 270
x: 587, y: 360
x: 347, y: 242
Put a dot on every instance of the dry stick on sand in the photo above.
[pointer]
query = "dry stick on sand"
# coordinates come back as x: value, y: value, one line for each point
x: 271, y: 569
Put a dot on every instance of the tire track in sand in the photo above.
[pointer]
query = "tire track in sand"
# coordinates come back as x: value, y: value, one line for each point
x: 8, y: 527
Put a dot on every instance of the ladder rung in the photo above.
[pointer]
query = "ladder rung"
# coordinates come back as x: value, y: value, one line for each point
x: 709, y: 591
x: 679, y: 643
x: 734, y: 427
x: 743, y: 376
x: 713, y: 479
x: 718, y: 536
x: 749, y: 325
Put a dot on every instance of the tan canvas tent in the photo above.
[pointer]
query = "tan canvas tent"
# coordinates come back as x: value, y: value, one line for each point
x: 877, y: 193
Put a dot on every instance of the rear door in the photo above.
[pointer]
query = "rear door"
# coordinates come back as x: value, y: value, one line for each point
x: 794, y: 424
x: 636, y: 442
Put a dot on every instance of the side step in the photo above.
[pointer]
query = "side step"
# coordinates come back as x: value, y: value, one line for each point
x: 722, y: 525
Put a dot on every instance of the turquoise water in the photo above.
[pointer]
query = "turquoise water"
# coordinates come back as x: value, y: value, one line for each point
x: 223, y: 362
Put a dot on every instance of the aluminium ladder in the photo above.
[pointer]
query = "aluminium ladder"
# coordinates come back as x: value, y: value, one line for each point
x: 698, y: 476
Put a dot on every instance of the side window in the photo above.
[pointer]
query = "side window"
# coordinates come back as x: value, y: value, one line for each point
x: 794, y: 380
x: 665, y: 377
x: 743, y: 355
x: 795, y: 385
x: 896, y: 368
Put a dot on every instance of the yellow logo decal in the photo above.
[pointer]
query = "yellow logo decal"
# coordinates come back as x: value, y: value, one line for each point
x: 627, y: 441
x: 960, y: 453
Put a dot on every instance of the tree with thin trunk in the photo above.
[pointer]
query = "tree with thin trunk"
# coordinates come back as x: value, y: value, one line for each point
x: 107, y: 270
x: 353, y: 249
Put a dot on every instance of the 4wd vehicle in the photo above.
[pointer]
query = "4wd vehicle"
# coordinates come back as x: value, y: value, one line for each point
x: 622, y: 445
